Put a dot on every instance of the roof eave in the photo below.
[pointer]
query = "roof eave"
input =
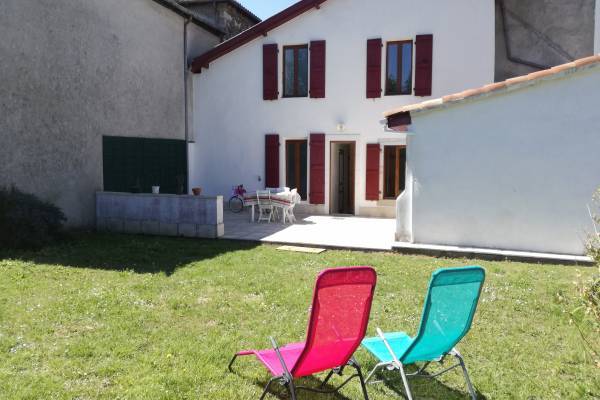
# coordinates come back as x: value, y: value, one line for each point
x: 184, y: 12
x: 261, y: 29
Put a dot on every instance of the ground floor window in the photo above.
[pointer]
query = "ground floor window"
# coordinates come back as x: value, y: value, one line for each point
x: 136, y: 164
x: 394, y: 177
x: 296, y: 158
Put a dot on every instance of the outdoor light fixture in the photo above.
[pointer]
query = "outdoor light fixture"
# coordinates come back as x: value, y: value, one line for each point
x: 340, y: 127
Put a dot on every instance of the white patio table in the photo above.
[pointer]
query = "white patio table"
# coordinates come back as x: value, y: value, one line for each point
x: 280, y: 199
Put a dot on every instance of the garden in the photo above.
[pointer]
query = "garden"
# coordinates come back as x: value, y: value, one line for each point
x: 131, y: 317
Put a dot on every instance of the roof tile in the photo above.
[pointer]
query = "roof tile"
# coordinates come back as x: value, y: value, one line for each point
x: 497, y: 87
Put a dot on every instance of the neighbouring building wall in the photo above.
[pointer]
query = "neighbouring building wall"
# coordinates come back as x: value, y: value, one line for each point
x: 73, y: 71
x: 597, y: 36
x: 542, y: 32
x: 231, y: 19
x: 232, y: 119
x: 515, y: 171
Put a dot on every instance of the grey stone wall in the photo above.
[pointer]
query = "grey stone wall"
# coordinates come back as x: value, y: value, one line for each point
x: 544, y: 32
x: 166, y: 215
x: 72, y: 71
x: 222, y: 14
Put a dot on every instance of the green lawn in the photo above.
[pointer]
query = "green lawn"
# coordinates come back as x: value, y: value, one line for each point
x: 121, y: 317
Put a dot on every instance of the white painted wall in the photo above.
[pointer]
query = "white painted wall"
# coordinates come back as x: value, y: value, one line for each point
x: 513, y: 171
x: 597, y: 29
x: 231, y: 118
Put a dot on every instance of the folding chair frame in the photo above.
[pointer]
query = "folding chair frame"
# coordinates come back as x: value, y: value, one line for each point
x: 396, y: 364
x: 287, y: 380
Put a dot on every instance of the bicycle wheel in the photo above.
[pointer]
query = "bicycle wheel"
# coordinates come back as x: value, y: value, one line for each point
x: 236, y: 204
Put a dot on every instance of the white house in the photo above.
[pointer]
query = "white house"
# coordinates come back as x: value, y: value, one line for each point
x: 511, y: 165
x: 296, y: 100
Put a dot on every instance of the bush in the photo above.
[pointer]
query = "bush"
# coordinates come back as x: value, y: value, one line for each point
x: 591, y: 292
x: 594, y: 240
x: 587, y: 313
x: 26, y: 222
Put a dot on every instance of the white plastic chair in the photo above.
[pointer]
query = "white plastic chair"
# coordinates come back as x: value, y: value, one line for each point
x: 288, y: 212
x: 265, y: 206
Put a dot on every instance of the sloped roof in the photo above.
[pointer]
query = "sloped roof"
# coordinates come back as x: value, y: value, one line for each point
x: 184, y: 12
x: 256, y: 31
x: 496, y: 88
x: 238, y: 6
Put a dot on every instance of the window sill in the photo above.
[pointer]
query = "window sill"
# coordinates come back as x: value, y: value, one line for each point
x: 398, y: 94
x: 294, y: 97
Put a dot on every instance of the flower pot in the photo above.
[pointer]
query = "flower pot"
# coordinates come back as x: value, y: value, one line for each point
x: 197, y: 191
x: 155, y: 189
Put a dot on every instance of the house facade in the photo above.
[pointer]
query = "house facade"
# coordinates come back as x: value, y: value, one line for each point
x: 510, y: 166
x: 296, y: 100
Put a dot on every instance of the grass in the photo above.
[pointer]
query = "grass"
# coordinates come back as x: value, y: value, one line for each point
x: 122, y: 317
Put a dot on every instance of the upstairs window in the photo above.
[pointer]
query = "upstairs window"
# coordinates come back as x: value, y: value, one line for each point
x: 399, y: 68
x: 295, y: 71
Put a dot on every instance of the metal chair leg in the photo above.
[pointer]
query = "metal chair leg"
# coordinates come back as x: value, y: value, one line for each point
x: 292, y: 389
x: 405, y: 381
x: 363, y: 383
x: 374, y: 371
x: 231, y: 363
x: 268, y: 387
x: 461, y: 361
x: 329, y: 375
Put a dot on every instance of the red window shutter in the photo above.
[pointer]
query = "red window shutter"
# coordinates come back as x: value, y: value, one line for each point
x: 270, y: 78
x: 373, y: 151
x: 317, y: 69
x: 374, y: 68
x: 423, y: 65
x: 317, y: 168
x: 272, y: 161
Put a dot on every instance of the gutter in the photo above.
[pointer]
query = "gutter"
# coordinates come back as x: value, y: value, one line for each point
x: 186, y: 101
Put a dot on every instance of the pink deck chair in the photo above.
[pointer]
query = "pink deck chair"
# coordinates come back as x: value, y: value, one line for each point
x: 337, y: 325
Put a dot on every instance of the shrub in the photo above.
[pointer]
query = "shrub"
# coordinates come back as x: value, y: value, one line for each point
x: 26, y: 222
x: 594, y: 240
x: 591, y: 292
x: 587, y: 313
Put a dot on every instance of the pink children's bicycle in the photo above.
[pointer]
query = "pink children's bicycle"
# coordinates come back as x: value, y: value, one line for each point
x: 236, y: 201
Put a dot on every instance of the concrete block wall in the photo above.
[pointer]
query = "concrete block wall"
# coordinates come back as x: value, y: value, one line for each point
x: 165, y: 215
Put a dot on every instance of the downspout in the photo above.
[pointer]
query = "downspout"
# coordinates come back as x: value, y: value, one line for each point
x: 186, y: 102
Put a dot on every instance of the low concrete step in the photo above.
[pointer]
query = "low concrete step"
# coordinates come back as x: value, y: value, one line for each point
x: 490, y: 254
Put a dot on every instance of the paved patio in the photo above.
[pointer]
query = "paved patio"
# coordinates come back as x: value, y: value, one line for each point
x: 315, y: 230
x: 349, y: 232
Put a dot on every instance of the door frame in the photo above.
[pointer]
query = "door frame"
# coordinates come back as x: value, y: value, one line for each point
x: 285, y: 165
x: 397, y: 168
x: 352, y: 178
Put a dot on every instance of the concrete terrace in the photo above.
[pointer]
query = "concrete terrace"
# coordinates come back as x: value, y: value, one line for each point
x: 373, y: 234
x: 315, y: 230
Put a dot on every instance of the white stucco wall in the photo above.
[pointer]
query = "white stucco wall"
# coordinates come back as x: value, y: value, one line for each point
x: 513, y: 171
x: 231, y: 118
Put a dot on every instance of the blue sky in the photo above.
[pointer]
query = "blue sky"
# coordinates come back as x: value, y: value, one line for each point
x: 265, y: 8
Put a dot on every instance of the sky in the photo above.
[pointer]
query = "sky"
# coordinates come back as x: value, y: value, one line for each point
x: 266, y: 8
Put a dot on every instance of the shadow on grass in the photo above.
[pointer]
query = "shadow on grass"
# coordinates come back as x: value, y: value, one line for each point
x: 433, y: 387
x: 141, y: 254
x: 393, y: 381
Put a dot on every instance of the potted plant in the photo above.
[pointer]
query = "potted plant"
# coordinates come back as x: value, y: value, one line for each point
x: 155, y: 189
x: 197, y: 191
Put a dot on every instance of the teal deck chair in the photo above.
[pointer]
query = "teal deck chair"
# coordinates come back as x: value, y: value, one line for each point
x: 447, y: 316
